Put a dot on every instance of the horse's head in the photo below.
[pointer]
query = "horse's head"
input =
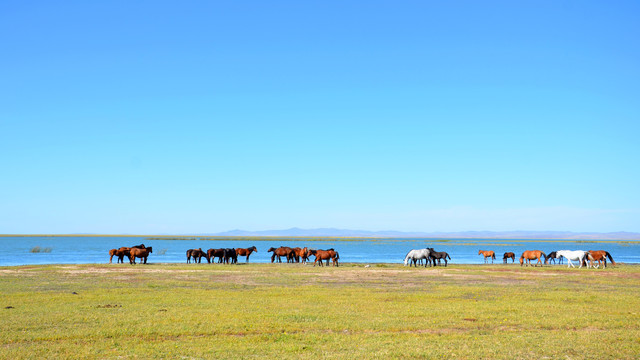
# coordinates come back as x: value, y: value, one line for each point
x: 479, y: 252
x: 150, y: 249
x: 271, y: 249
x: 310, y: 252
x: 253, y: 248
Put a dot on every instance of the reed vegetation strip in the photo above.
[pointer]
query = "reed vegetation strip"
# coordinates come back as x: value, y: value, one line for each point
x: 295, y: 311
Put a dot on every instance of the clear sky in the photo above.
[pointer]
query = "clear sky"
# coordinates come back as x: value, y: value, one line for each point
x: 205, y: 116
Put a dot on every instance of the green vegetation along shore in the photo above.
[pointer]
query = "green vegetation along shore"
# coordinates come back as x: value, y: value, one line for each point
x: 278, y: 311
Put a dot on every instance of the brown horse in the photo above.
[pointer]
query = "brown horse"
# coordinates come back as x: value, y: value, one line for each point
x: 532, y: 255
x: 197, y: 255
x: 487, y: 254
x: 300, y: 253
x: 507, y: 256
x: 112, y: 253
x: 285, y: 251
x: 246, y: 252
x: 600, y: 256
x: 327, y: 255
x: 216, y: 253
x: 139, y: 253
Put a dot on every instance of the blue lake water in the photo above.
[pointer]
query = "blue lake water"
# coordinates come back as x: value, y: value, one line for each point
x: 84, y: 250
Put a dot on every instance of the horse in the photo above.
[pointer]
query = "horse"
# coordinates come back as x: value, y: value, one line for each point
x: 197, y: 255
x: 507, y: 256
x: 553, y: 256
x: 438, y: 255
x: 246, y: 252
x: 112, y: 253
x: 487, y: 254
x: 285, y: 251
x: 532, y: 255
x: 139, y: 253
x: 320, y: 255
x: 600, y: 256
x: 216, y: 253
x: 300, y: 253
x: 577, y: 255
x: 230, y: 256
x: 417, y: 254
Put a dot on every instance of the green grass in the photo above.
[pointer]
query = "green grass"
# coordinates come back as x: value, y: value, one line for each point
x: 294, y: 311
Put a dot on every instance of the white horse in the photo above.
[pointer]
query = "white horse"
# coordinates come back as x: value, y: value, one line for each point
x: 577, y: 255
x: 415, y: 255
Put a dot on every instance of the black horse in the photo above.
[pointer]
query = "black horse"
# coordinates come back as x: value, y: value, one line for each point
x: 230, y: 256
x: 438, y: 255
x: 553, y: 256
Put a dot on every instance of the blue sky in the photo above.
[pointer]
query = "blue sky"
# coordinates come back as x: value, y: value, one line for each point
x: 200, y: 117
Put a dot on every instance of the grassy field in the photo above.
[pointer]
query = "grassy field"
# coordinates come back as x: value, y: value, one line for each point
x: 295, y: 311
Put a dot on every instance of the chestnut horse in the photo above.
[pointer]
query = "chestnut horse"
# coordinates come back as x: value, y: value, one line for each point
x: 216, y: 253
x: 139, y: 253
x: 285, y: 251
x: 246, y: 252
x: 487, y: 254
x: 507, y: 256
x: 324, y: 255
x: 532, y: 255
x: 600, y: 256
x: 197, y: 255
x: 299, y: 253
x: 122, y: 252
x: 112, y: 253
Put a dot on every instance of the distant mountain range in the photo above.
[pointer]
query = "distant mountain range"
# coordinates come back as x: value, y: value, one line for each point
x: 331, y: 232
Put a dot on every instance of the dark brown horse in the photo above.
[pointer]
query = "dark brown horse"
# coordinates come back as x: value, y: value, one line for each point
x: 246, y: 252
x: 438, y: 255
x: 487, y: 254
x: 216, y: 253
x: 197, y: 255
x: 327, y: 255
x: 600, y: 256
x: 507, y: 256
x: 139, y: 253
x: 532, y: 255
x: 285, y: 251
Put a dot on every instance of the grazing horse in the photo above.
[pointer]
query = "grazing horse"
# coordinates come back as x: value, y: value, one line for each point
x: 553, y: 256
x: 197, y: 255
x: 327, y: 255
x: 440, y: 255
x: 216, y: 253
x: 417, y: 254
x: 577, y: 255
x: 139, y: 253
x: 285, y: 251
x: 600, y: 256
x: 507, y: 256
x: 487, y: 254
x: 246, y: 252
x: 300, y: 253
x: 532, y: 255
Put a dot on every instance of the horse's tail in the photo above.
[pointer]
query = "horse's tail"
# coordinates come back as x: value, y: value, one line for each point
x: 545, y: 256
x: 610, y: 258
x: 448, y: 256
x: 493, y: 256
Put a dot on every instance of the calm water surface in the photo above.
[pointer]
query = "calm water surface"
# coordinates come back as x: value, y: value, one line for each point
x: 83, y: 250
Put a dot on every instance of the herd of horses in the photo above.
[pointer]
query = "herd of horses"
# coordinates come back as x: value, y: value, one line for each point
x: 230, y: 255
x: 584, y: 258
x: 413, y: 257
x: 137, y: 251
